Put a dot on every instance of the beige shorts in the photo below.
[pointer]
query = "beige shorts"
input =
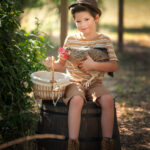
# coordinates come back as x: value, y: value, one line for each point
x: 92, y: 93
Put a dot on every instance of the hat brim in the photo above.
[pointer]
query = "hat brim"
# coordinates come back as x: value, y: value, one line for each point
x: 94, y: 8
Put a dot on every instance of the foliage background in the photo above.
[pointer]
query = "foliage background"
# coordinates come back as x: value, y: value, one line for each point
x: 21, y: 54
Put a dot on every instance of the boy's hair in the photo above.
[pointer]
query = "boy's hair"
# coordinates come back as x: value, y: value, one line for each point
x: 82, y: 7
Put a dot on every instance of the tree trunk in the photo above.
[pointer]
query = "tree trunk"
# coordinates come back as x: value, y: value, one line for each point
x: 120, y: 26
x: 64, y: 20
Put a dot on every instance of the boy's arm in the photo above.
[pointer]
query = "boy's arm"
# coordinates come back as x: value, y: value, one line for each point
x: 90, y: 65
x: 110, y: 66
x: 59, y: 65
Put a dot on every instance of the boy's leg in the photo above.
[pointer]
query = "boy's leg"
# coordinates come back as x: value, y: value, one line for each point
x: 74, y: 98
x: 74, y: 119
x: 107, y: 121
x: 107, y: 117
x: 74, y: 116
x: 98, y: 92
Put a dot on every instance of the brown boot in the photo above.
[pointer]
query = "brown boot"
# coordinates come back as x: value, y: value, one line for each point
x: 107, y: 144
x: 73, y: 144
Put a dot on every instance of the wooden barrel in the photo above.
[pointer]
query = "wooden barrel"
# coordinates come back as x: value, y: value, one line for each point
x: 54, y: 120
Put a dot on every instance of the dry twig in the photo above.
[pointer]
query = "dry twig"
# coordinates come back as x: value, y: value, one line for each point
x: 28, y: 138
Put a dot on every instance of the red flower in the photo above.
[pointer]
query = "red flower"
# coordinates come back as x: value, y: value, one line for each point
x: 63, y: 52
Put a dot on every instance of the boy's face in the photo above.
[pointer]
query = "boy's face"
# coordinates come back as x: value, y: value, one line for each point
x: 85, y: 22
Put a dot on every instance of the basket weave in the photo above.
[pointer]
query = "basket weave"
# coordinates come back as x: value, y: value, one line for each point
x: 49, y: 85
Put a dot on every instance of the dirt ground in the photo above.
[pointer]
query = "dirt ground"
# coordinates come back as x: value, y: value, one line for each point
x: 130, y: 87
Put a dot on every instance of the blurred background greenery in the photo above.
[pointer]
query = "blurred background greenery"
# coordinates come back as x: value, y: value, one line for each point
x: 136, y: 22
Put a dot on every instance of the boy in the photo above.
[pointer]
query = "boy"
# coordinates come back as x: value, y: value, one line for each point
x: 86, y: 15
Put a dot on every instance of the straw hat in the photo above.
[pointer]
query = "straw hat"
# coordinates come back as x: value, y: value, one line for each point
x: 91, y: 3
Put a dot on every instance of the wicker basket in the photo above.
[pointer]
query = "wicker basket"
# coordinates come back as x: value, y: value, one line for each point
x: 49, y: 85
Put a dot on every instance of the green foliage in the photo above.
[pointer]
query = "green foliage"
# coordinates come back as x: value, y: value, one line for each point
x: 32, y: 3
x: 20, y: 55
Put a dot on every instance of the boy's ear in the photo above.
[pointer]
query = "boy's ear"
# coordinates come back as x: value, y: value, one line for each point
x: 97, y: 18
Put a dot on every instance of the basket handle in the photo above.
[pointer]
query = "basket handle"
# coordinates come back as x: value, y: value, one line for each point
x: 52, y: 69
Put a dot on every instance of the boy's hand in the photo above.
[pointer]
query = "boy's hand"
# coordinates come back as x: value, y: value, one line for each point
x: 87, y: 65
x: 48, y: 62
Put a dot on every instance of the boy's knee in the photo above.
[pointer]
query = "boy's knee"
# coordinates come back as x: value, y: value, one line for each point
x: 106, y: 101
x: 77, y: 101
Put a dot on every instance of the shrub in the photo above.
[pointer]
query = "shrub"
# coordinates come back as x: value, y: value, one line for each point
x: 21, y: 54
